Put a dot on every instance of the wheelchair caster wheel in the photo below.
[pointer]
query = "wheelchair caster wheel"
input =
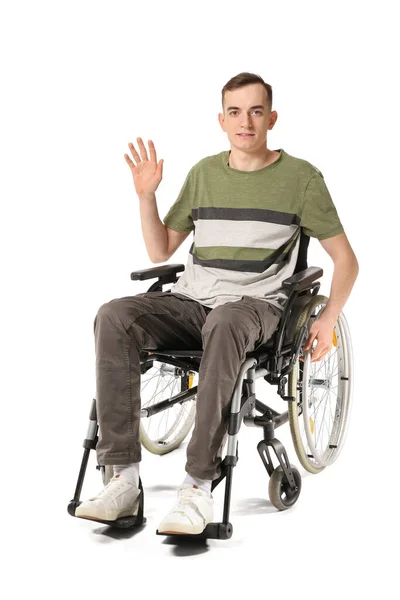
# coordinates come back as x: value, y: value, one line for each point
x: 280, y: 494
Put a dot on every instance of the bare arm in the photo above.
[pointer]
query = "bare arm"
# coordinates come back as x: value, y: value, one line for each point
x: 175, y: 239
x: 161, y: 241
x: 153, y: 229
x: 344, y: 275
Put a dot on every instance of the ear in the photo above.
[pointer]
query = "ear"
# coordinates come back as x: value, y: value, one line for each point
x: 221, y: 120
x: 272, y: 119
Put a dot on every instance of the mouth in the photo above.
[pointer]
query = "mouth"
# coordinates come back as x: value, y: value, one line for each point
x: 245, y: 134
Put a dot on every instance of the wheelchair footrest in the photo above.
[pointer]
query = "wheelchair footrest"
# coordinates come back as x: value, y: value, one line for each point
x: 217, y: 531
x: 121, y: 523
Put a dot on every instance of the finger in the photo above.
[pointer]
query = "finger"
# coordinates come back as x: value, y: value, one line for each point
x: 142, y: 148
x: 128, y: 160
x: 134, y: 153
x: 309, y: 341
x: 322, y: 350
x: 317, y: 358
x: 153, y: 154
x: 316, y: 352
x: 319, y: 353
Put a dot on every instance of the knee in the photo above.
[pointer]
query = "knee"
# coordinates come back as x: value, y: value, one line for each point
x: 108, y: 309
x: 113, y: 311
x: 120, y: 311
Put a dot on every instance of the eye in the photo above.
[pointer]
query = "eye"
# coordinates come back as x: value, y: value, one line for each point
x: 255, y: 111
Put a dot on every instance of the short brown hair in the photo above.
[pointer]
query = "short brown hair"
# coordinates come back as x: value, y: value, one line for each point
x: 245, y: 79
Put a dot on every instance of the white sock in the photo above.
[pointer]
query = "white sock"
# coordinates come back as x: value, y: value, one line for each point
x: 131, y: 472
x: 202, y: 484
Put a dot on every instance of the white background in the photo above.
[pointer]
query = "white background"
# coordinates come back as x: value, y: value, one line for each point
x: 79, y: 80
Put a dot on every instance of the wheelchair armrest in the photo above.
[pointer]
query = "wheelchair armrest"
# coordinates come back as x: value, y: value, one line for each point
x: 302, y: 279
x: 164, y: 271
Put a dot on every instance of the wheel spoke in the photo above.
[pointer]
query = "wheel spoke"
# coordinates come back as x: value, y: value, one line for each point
x: 165, y: 430
x: 317, y: 432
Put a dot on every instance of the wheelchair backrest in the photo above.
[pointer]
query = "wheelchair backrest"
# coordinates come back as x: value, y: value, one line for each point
x: 301, y: 263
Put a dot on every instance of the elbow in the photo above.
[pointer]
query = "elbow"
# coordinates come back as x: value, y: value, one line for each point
x: 157, y: 259
x: 349, y: 266
x: 160, y: 258
x: 354, y: 266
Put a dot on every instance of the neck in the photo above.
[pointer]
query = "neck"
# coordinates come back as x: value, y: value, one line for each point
x: 244, y: 161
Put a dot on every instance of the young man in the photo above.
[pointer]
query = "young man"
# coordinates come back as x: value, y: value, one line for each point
x: 246, y: 207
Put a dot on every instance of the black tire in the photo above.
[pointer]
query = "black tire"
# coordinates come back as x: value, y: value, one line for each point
x: 280, y: 494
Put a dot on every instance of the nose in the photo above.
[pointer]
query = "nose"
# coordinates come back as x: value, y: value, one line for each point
x: 246, y: 122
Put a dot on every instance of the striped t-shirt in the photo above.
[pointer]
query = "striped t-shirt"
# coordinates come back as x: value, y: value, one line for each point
x: 246, y: 226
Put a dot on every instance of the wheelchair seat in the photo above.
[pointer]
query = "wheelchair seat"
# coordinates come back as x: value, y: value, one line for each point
x: 298, y: 305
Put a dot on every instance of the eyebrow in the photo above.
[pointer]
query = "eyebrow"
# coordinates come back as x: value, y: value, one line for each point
x: 251, y: 107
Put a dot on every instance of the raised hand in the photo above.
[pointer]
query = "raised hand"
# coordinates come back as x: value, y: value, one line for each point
x: 147, y: 173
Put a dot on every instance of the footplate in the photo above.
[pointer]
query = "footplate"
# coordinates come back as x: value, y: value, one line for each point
x: 122, y: 522
x: 217, y: 531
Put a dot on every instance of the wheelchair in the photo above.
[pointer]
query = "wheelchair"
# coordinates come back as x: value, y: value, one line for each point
x: 318, y: 397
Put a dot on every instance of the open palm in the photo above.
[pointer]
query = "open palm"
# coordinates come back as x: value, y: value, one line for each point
x: 147, y: 173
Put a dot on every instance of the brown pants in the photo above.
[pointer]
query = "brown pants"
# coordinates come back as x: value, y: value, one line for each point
x: 157, y: 320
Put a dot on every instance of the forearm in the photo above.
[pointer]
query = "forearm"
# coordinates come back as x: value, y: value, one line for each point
x: 153, y: 229
x: 344, y: 275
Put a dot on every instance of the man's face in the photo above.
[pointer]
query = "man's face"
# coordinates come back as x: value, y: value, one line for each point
x: 246, y: 111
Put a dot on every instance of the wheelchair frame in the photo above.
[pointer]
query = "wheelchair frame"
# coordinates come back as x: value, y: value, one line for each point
x: 273, y: 362
x: 268, y: 362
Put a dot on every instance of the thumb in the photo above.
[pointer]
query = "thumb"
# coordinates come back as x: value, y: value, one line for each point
x: 160, y: 166
x: 310, y: 340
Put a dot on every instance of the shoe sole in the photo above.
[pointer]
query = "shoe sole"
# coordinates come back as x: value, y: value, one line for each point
x: 126, y: 513
x: 121, y: 516
x: 176, y: 530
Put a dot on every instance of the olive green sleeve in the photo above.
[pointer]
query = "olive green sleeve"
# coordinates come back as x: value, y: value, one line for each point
x: 179, y: 216
x: 319, y: 217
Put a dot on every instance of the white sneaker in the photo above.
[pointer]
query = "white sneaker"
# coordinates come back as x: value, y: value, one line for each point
x: 191, y: 514
x: 120, y: 498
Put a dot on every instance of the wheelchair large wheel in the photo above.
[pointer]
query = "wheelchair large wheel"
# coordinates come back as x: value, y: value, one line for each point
x: 319, y: 416
x: 164, y: 431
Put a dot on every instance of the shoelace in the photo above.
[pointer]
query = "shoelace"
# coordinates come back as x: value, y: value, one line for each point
x: 186, y: 499
x: 114, y: 483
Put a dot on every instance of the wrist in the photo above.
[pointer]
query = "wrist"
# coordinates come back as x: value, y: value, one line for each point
x: 328, y: 317
x: 146, y: 196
